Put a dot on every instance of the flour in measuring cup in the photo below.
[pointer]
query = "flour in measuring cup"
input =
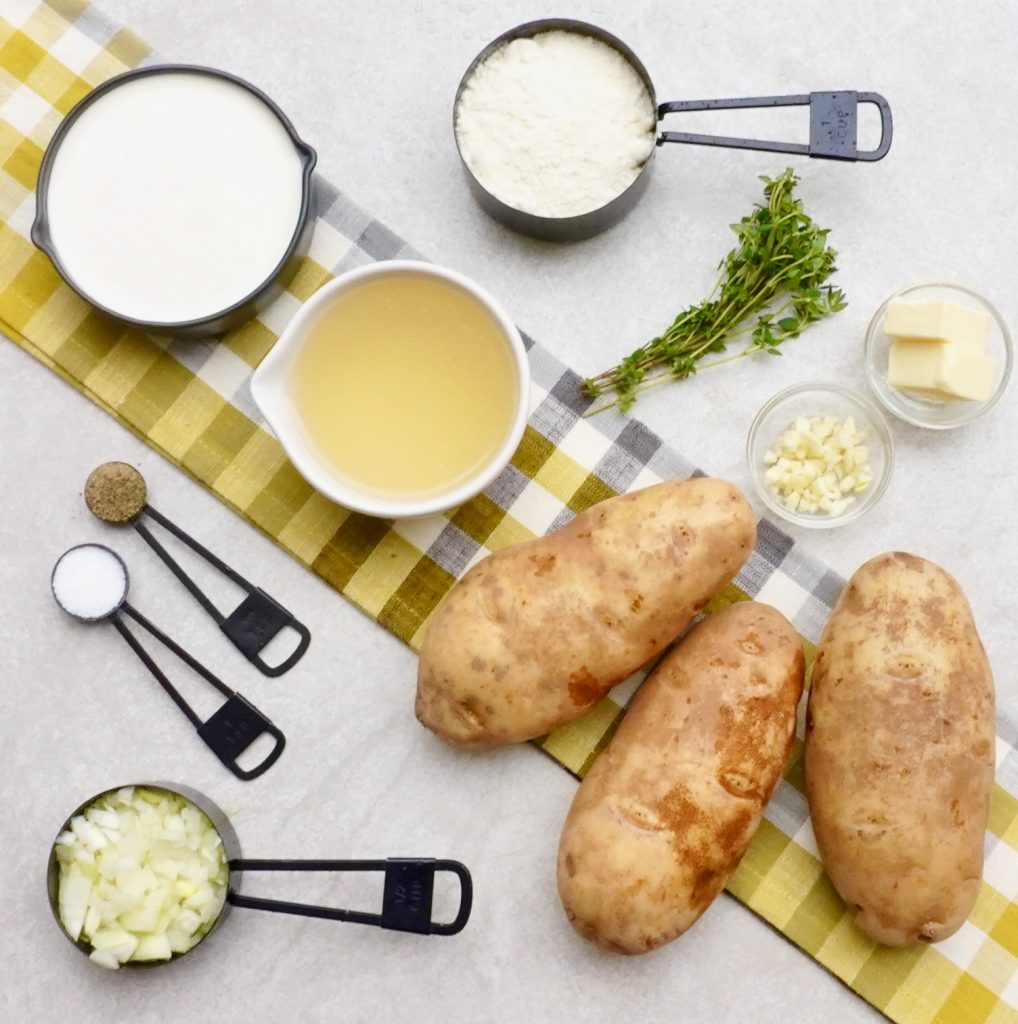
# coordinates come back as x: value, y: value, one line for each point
x: 556, y: 125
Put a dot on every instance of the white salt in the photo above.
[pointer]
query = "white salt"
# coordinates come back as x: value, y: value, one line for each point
x: 90, y: 582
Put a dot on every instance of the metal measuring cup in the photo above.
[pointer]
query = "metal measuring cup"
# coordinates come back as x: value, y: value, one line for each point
x: 407, y: 888
x: 833, y: 136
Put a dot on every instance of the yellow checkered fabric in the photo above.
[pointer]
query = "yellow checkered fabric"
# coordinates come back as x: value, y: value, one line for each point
x: 189, y: 400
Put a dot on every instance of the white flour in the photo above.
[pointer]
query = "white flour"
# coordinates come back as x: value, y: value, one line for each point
x: 556, y: 125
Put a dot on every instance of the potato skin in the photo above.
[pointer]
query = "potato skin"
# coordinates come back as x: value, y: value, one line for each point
x: 666, y: 812
x: 536, y: 634
x: 900, y: 750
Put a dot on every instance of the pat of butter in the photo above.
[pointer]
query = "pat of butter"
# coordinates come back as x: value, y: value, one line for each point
x: 913, y: 364
x: 940, y: 371
x: 938, y: 320
x: 965, y: 374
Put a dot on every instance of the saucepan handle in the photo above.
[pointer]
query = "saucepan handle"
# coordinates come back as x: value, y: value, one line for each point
x: 833, y: 124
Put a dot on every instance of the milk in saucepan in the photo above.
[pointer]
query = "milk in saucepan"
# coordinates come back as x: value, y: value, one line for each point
x: 174, y: 196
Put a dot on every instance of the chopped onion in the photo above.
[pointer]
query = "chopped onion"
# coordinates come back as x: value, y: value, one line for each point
x: 143, y: 876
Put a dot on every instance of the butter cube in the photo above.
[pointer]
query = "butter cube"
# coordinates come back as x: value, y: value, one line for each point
x: 914, y: 365
x: 940, y: 371
x: 965, y: 374
x: 938, y: 320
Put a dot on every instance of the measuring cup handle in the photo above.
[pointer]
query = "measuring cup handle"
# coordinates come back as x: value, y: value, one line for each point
x: 886, y: 126
x: 407, y: 892
x: 833, y: 128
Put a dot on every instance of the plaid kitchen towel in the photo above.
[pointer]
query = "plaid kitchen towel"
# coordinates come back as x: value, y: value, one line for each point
x: 191, y: 401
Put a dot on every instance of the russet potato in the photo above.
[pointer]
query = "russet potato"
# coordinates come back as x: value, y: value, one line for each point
x: 900, y: 750
x: 536, y: 634
x: 666, y: 812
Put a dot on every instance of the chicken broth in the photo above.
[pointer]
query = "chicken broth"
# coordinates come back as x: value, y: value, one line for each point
x: 405, y: 385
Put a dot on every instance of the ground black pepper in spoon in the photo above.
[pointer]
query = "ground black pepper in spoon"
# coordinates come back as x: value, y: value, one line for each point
x: 116, y: 493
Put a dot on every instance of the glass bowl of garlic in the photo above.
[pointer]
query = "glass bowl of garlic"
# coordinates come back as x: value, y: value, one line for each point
x: 820, y: 455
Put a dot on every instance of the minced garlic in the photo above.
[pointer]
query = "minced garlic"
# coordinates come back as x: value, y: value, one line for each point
x: 819, y: 465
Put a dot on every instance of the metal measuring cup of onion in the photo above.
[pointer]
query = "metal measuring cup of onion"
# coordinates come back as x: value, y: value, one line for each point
x: 140, y: 875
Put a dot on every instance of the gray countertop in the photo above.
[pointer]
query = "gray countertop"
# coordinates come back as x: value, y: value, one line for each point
x: 369, y: 84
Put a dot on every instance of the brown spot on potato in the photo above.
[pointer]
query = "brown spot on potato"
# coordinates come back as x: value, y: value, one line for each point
x: 933, y: 612
x: 904, y: 666
x: 636, y: 604
x: 705, y: 887
x: 544, y: 564
x: 737, y: 783
x: 570, y: 865
x: 750, y: 643
x: 478, y: 664
x: 732, y: 836
x: 583, y: 687
x: 678, y: 811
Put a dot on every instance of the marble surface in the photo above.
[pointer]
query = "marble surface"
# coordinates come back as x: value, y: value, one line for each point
x: 370, y: 85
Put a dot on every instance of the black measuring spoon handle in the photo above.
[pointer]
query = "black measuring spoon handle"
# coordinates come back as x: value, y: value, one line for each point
x: 833, y: 124
x: 407, y: 892
x: 254, y: 622
x: 234, y: 727
x: 174, y: 694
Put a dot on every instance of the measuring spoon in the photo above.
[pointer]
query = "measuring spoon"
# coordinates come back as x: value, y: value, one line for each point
x: 116, y: 493
x: 90, y: 582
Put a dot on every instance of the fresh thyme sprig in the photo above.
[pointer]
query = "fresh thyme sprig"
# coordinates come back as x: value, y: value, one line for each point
x: 771, y: 287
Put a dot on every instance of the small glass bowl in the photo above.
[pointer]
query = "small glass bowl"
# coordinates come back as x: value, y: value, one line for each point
x: 927, y: 412
x: 819, y: 398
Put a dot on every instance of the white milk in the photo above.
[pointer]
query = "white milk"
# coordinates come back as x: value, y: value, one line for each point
x: 173, y: 196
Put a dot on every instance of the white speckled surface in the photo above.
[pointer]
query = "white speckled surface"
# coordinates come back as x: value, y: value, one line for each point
x: 370, y: 85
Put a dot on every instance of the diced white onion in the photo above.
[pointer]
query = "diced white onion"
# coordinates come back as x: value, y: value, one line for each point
x: 143, y: 876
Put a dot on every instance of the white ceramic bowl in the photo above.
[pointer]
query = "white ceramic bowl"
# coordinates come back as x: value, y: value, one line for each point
x: 270, y: 386
x: 926, y: 412
x: 819, y: 398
